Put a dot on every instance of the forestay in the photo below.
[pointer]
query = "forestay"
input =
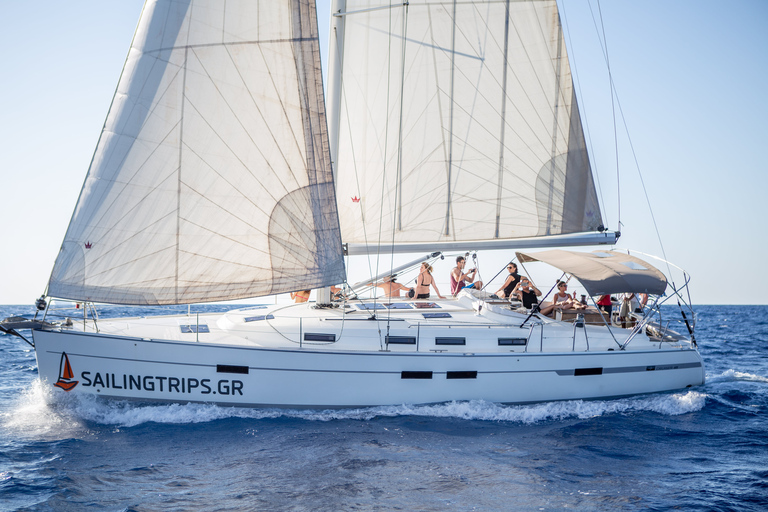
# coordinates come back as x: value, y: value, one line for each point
x: 211, y: 179
x: 604, y: 272
x: 459, y: 123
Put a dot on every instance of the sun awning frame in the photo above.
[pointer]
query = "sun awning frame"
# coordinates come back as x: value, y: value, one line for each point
x: 604, y: 272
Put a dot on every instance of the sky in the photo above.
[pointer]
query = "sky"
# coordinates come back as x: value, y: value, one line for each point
x: 690, y: 76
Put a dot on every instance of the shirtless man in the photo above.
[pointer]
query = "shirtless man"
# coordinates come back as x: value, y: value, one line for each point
x: 459, y: 278
x: 391, y: 287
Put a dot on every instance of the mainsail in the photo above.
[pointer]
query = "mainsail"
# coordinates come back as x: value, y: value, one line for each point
x: 211, y: 179
x: 458, y: 123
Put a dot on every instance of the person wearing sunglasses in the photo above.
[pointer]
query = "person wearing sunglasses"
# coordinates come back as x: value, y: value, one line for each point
x: 511, y: 282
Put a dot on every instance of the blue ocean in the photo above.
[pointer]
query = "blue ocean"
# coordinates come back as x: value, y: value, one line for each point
x: 701, y: 449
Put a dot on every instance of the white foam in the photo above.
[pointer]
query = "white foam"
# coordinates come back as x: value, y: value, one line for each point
x: 37, y: 415
x: 41, y: 413
x: 734, y: 375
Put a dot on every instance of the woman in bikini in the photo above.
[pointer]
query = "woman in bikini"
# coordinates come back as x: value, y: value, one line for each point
x: 424, y: 281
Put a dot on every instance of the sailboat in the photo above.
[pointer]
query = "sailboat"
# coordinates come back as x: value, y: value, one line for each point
x: 218, y: 175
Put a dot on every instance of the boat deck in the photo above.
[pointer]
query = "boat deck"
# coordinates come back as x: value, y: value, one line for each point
x: 458, y: 325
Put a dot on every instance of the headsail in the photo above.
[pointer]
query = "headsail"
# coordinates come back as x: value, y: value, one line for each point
x: 211, y: 179
x: 459, y: 123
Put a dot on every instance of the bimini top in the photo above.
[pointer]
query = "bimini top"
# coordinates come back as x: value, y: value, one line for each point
x: 604, y: 272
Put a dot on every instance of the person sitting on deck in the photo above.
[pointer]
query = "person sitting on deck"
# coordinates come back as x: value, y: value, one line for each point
x: 424, y: 281
x: 300, y: 296
x: 459, y: 278
x: 505, y: 292
x: 527, y: 293
x: 392, y: 288
x: 562, y: 301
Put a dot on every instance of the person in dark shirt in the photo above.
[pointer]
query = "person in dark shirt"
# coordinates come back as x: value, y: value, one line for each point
x: 509, y: 285
x: 526, y: 292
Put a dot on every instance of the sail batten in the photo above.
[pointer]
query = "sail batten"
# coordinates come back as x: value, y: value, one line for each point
x: 211, y: 179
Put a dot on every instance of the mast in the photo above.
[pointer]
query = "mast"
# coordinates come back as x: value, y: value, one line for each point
x: 335, y: 61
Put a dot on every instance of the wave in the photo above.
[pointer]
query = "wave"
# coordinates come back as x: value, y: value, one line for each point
x: 40, y: 413
x: 734, y: 375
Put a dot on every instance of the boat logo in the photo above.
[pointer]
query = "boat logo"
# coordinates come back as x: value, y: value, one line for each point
x: 355, y: 199
x: 65, y: 381
x: 88, y: 245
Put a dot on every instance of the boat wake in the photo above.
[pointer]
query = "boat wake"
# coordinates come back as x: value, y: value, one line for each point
x: 42, y: 413
x: 736, y: 376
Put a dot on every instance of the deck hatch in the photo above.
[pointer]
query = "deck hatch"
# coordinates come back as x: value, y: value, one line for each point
x: 426, y: 305
x: 228, y: 368
x: 314, y: 336
x: 450, y: 341
x: 513, y: 341
x: 436, y: 315
x: 415, y: 375
x: 461, y: 375
x: 257, y: 318
x: 587, y: 371
x: 187, y: 329
x: 398, y: 305
x: 371, y: 306
x: 401, y: 340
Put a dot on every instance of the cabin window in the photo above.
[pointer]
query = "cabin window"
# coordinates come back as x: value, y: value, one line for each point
x: 587, y: 371
x: 513, y: 341
x: 415, y: 375
x: 450, y: 341
x: 401, y: 340
x: 228, y: 368
x: 310, y: 336
x: 461, y: 375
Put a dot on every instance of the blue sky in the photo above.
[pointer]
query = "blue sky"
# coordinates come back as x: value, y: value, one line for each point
x: 691, y: 78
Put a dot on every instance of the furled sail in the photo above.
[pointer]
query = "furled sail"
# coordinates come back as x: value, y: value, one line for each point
x: 459, y: 123
x: 211, y: 179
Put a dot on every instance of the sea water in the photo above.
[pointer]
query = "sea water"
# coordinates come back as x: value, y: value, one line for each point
x: 705, y: 448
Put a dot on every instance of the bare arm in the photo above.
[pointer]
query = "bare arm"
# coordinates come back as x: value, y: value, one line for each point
x: 434, y: 285
x: 506, y: 282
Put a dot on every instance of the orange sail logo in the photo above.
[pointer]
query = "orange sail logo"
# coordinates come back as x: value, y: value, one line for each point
x: 65, y: 381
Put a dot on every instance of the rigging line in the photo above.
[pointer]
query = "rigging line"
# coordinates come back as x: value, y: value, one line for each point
x: 503, y: 120
x: 178, y: 175
x: 613, y: 110
x: 352, y: 150
x: 634, y: 154
x: 398, y: 220
x: 398, y: 163
x: 450, y: 123
x: 584, y: 118
x: 645, y: 191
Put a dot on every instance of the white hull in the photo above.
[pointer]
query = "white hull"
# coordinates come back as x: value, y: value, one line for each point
x: 228, y: 370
